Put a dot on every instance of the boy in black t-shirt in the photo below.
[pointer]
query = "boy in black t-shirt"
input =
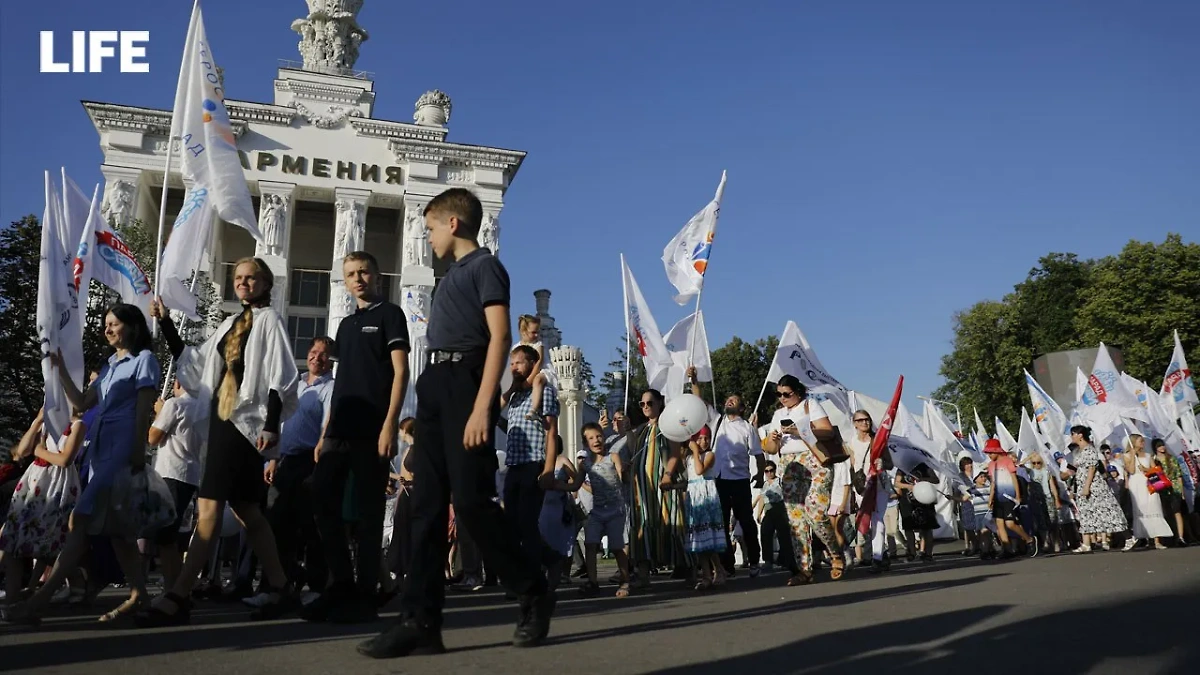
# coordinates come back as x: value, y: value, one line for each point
x: 453, y: 454
x: 359, y: 440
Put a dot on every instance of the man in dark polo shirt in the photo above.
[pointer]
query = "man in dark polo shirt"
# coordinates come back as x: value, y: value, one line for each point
x: 458, y: 401
x: 359, y: 441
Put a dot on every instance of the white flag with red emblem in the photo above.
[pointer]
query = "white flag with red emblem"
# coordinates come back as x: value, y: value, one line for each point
x: 644, y: 333
x: 1178, y: 384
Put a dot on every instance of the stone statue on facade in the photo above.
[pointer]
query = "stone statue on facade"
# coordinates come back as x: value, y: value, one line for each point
x: 272, y: 219
x: 118, y: 203
x: 416, y: 238
x: 330, y: 35
x: 351, y: 230
x: 489, y: 233
x: 432, y: 109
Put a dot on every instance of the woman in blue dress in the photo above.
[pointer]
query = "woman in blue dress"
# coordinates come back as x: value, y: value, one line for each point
x: 124, y: 396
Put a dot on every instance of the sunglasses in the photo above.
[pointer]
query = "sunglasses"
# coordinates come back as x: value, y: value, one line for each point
x: 784, y: 394
x: 645, y: 404
x: 857, y: 421
x: 1035, y: 464
x: 768, y: 470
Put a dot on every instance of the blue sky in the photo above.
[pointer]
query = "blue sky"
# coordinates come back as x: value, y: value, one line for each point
x: 889, y: 162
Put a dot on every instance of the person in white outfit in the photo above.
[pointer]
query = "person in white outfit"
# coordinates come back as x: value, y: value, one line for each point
x: 1148, y: 521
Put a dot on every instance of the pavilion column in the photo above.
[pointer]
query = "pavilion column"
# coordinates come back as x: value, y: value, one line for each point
x: 349, y: 234
x: 275, y: 218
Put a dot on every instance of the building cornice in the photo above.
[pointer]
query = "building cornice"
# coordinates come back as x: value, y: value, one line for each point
x: 330, y: 93
x: 457, y: 154
x: 154, y: 122
x: 402, y: 130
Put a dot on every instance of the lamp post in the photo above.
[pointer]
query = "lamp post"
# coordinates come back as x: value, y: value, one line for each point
x: 957, y: 412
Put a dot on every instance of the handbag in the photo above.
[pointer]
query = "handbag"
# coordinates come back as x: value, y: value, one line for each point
x: 1157, y: 481
x: 830, y: 449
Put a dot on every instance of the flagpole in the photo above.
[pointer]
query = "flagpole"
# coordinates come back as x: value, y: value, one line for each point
x: 162, y: 225
x: 182, y: 324
x: 628, y: 356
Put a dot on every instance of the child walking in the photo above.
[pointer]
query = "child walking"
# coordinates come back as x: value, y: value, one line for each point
x: 705, y: 533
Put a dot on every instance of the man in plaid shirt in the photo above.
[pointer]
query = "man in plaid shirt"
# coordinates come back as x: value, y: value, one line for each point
x: 531, y: 452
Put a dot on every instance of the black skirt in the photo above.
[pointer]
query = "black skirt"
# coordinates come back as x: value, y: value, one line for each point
x: 233, y: 468
x: 917, y: 516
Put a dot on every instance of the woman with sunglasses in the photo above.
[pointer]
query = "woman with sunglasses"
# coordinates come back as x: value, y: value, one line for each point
x: 657, y: 519
x: 806, y: 482
x: 860, y: 447
x: 1045, y: 504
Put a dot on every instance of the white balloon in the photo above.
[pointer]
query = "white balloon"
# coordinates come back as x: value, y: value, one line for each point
x: 685, y: 415
x: 229, y: 523
x: 925, y: 493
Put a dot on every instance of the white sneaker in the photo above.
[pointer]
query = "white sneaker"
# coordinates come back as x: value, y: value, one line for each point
x: 61, y: 596
x: 308, y: 598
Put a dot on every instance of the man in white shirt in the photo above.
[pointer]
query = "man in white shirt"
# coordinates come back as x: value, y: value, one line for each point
x: 734, y: 441
x: 179, y: 432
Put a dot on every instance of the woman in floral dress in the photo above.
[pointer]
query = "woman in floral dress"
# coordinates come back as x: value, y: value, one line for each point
x: 705, y: 534
x: 1099, y: 512
x: 806, y: 483
x: 40, y: 510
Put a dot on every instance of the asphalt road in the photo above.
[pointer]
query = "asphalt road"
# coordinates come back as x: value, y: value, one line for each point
x: 1100, y: 613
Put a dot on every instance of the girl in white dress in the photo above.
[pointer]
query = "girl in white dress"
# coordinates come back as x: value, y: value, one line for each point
x: 529, y: 327
x: 1148, y: 521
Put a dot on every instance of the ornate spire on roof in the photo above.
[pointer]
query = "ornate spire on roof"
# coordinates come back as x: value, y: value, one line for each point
x: 330, y: 35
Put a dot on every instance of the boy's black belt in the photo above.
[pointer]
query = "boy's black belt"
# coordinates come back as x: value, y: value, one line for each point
x: 443, y: 356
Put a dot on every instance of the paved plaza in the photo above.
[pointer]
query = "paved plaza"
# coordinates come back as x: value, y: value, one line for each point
x: 1101, y: 613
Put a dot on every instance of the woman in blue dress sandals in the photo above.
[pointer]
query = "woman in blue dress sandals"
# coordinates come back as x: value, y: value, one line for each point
x: 124, y: 394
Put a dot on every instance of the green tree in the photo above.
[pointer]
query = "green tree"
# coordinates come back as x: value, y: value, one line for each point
x: 1138, y: 298
x: 984, y: 369
x: 1048, y: 301
x: 21, y: 377
x: 1132, y: 301
x: 741, y: 367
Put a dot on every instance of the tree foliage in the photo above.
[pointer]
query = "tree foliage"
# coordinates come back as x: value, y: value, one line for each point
x: 21, y: 378
x: 1133, y: 301
x: 21, y: 382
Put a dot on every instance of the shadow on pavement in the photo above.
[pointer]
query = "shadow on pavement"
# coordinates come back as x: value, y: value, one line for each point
x: 1156, y: 633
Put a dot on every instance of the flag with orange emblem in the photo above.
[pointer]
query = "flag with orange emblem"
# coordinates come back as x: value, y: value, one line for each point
x: 686, y: 257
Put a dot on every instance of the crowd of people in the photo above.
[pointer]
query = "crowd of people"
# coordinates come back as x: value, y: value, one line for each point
x: 343, y: 506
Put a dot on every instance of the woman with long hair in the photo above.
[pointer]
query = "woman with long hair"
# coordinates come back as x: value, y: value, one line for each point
x: 1099, y: 512
x: 805, y: 480
x: 657, y: 518
x: 124, y: 394
x: 1148, y: 522
x: 246, y: 369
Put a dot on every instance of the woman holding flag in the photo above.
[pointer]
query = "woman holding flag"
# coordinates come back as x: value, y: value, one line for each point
x: 124, y: 394
x: 247, y: 370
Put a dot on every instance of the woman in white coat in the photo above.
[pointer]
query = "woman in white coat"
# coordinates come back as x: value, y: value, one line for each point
x: 247, y: 370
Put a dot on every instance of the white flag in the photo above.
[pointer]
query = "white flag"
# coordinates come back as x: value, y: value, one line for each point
x: 910, y: 447
x: 1027, y: 438
x: 208, y: 148
x: 1178, y: 382
x: 181, y: 258
x: 1113, y: 398
x: 58, y: 322
x: 1045, y: 410
x: 644, y: 332
x: 943, y: 433
x: 796, y: 357
x: 1006, y: 439
x: 103, y: 256
x: 686, y: 256
x: 688, y: 344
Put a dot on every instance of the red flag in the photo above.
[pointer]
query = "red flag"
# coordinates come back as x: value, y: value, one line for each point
x: 878, y: 445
